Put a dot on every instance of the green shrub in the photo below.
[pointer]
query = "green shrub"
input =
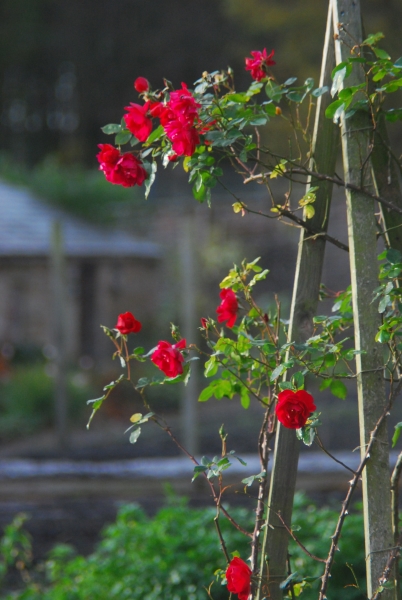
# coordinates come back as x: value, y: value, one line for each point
x: 175, y: 554
x: 27, y: 400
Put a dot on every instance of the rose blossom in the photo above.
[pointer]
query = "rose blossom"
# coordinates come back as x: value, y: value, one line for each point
x: 184, y: 137
x: 294, y: 408
x: 168, y: 358
x: 178, y: 118
x: 238, y: 575
x: 137, y: 121
x: 127, y: 323
x: 141, y: 84
x: 227, y: 310
x: 259, y: 63
x: 121, y: 169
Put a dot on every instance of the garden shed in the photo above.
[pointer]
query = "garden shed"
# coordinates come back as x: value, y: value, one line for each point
x: 107, y: 271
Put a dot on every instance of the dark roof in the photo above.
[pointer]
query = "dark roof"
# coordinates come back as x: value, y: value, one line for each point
x: 26, y: 229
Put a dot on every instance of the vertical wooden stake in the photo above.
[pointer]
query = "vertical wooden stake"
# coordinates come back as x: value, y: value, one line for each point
x: 58, y: 276
x: 355, y: 133
x: 304, y: 304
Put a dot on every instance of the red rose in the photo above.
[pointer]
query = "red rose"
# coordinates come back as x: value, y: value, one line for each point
x: 294, y: 408
x: 168, y: 358
x: 238, y: 575
x: 137, y: 121
x: 121, y: 169
x: 127, y: 323
x: 184, y: 137
x: 259, y: 63
x: 141, y: 84
x: 227, y: 310
x: 204, y: 323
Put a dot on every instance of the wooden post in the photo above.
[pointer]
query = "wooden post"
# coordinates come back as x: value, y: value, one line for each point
x: 355, y: 134
x: 58, y: 277
x: 189, y: 311
x: 304, y: 304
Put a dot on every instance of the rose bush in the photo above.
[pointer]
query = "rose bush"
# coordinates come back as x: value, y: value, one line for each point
x: 238, y: 575
x: 168, y: 358
x: 294, y: 408
x: 127, y: 323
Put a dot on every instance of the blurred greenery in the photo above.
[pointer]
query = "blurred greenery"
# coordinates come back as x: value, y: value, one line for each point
x: 175, y: 554
x: 27, y: 400
x: 83, y: 192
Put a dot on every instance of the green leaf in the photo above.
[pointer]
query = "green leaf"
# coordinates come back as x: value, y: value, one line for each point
x: 373, y: 38
x: 393, y: 256
x: 385, y: 300
x: 295, y: 96
x: 319, y: 91
x: 211, y: 367
x: 111, y: 128
x: 241, y: 98
x: 122, y: 138
x: 309, y: 211
x: 155, y: 135
x: 245, y: 398
x: 298, y: 380
x: 381, y: 54
x: 198, y: 470
x: 338, y: 389
x: 134, y: 435
x: 151, y: 176
x: 397, y: 433
x: 274, y: 91
x: 332, y: 109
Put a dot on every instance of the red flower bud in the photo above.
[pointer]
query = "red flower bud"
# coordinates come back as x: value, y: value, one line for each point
x: 141, y: 84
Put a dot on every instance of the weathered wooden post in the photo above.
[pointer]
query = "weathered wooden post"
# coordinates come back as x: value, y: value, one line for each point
x: 304, y: 304
x: 356, y: 135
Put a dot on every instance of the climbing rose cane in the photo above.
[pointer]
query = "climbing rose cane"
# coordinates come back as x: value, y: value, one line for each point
x: 227, y: 310
x: 238, y: 575
x: 168, y: 358
x: 294, y: 408
x: 127, y: 323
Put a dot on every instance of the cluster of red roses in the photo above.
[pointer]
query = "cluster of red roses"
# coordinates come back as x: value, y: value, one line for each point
x: 178, y: 117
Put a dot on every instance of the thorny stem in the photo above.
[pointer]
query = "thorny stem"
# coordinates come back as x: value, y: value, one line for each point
x: 353, y: 483
x: 263, y: 450
x: 216, y: 498
x: 395, y: 477
x: 298, y: 542
x: 321, y: 445
x: 340, y: 182
x: 387, y: 573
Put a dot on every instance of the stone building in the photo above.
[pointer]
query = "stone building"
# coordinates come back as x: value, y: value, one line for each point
x: 106, y: 272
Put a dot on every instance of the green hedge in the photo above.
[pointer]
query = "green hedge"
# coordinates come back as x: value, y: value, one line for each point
x: 174, y: 556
